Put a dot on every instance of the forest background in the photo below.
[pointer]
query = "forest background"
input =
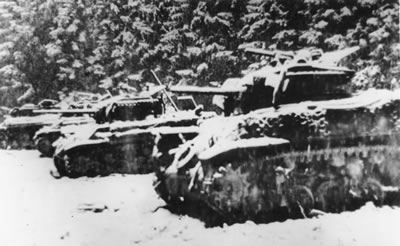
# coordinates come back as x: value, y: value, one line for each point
x: 51, y: 45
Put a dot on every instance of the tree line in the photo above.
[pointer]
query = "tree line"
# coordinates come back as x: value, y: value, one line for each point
x: 52, y: 45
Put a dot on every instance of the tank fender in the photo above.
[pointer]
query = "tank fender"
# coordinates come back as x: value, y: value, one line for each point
x: 223, y: 147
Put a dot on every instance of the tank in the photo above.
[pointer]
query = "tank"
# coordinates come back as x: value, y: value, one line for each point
x: 315, y: 145
x: 21, y: 123
x: 18, y: 132
x: 124, y: 147
x: 117, y: 108
x: 18, y: 129
x: 47, y: 135
x: 136, y: 136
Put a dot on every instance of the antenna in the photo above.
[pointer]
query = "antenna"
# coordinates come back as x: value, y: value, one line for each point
x: 165, y: 92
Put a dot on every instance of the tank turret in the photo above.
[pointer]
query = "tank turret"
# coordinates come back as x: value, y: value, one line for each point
x: 262, y: 87
x: 281, y: 85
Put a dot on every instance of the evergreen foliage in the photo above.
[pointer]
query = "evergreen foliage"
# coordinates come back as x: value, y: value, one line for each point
x: 50, y: 45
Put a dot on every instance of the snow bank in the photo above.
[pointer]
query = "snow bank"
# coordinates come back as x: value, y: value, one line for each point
x: 37, y: 209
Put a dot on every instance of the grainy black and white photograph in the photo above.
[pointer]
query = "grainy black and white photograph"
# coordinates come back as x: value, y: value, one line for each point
x: 199, y: 122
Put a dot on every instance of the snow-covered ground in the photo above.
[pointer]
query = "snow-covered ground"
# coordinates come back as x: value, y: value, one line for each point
x: 36, y: 209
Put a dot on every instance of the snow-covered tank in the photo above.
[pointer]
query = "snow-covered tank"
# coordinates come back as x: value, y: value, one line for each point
x: 117, y: 108
x: 18, y: 132
x: 124, y: 147
x: 318, y: 146
x: 47, y: 135
x: 21, y: 123
x: 136, y: 145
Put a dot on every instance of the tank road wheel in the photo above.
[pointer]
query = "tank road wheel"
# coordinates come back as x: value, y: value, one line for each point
x: 78, y: 165
x: 107, y: 164
x: 228, y: 191
x: 94, y: 168
x: 24, y: 141
x: 329, y: 197
x: 59, y: 163
x: 122, y: 166
x: 301, y: 200
x: 13, y: 143
x: 3, y: 140
x: 44, y: 146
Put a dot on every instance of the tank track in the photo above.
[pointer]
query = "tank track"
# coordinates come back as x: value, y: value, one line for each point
x: 44, y: 143
x: 269, y: 188
x: 45, y: 147
x: 128, y: 158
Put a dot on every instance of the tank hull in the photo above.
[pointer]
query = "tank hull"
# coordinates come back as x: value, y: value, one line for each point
x: 124, y: 147
x: 339, y: 155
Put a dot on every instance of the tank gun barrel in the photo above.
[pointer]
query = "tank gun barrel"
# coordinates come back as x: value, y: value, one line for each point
x: 337, y: 56
x: 330, y: 58
x: 4, y: 109
x: 207, y: 90
x: 270, y: 53
x: 65, y: 111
